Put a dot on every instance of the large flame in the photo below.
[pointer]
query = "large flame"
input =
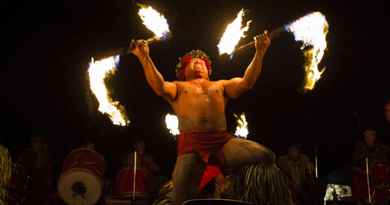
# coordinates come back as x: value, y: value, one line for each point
x: 311, y: 30
x: 154, y: 21
x: 232, y: 35
x: 98, y: 71
x: 172, y: 124
x: 242, y: 126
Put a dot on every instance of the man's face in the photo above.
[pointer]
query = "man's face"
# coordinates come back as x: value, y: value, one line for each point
x: 369, y: 137
x: 196, y: 69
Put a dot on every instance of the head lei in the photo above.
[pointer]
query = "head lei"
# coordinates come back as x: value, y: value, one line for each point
x: 184, y: 60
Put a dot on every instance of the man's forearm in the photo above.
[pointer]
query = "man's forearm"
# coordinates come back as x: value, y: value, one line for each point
x: 254, y: 69
x: 153, y: 77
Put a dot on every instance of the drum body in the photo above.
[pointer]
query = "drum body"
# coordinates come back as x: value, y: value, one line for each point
x: 81, y: 180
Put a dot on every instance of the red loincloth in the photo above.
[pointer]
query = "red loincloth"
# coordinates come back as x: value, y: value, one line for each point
x: 205, y: 144
x: 209, y: 174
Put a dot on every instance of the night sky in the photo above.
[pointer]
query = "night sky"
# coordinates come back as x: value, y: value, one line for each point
x: 47, y: 47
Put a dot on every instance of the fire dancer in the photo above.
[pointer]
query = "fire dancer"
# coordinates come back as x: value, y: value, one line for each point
x: 200, y: 106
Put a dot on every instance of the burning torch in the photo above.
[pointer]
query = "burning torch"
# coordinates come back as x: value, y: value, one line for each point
x: 99, y: 70
x: 310, y: 29
x: 153, y: 21
x: 273, y: 34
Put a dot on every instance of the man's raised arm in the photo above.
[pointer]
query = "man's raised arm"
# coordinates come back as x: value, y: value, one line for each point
x: 154, y: 78
x: 236, y: 86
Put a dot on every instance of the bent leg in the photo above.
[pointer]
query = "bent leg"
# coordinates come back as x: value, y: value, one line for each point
x: 239, y: 152
x: 186, y: 177
x: 256, y: 177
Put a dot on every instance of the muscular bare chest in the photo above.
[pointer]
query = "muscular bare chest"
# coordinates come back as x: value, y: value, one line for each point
x: 199, y: 96
x: 208, y: 91
x: 200, y: 106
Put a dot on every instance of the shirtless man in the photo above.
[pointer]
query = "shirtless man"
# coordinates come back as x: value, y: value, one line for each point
x: 200, y: 106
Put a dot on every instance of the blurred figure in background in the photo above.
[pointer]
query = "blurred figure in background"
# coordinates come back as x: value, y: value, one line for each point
x: 370, y: 154
x: 38, y: 165
x: 147, y: 178
x: 369, y: 147
x: 300, y: 170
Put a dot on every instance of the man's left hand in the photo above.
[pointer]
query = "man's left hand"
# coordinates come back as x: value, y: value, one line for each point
x: 262, y: 42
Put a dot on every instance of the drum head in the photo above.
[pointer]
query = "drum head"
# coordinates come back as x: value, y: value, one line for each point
x: 83, y: 158
x: 79, y: 186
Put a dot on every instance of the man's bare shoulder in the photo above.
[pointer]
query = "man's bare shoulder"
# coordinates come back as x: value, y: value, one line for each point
x: 180, y: 84
x: 220, y: 82
x: 177, y: 82
x: 229, y: 81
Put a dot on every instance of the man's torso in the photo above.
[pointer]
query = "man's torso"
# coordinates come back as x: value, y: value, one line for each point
x: 200, y: 105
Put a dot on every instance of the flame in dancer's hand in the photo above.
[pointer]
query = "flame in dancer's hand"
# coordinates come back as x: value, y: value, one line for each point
x: 154, y: 21
x: 242, y: 126
x: 232, y: 35
x: 98, y: 71
x: 172, y: 124
x: 311, y: 30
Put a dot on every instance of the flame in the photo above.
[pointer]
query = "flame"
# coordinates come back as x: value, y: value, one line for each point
x: 311, y: 30
x: 232, y: 35
x: 98, y: 71
x: 172, y: 123
x: 242, y: 126
x: 154, y: 21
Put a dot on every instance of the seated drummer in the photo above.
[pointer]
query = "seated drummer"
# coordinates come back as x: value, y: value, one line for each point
x: 145, y: 162
x: 370, y: 147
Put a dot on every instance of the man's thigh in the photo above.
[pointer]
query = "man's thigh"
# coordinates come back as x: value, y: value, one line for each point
x: 187, y: 175
x: 239, y: 152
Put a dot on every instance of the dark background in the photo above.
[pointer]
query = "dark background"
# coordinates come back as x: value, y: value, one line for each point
x: 48, y: 46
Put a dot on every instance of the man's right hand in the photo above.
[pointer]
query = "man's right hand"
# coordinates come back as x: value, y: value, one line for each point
x: 139, y: 48
x: 262, y: 42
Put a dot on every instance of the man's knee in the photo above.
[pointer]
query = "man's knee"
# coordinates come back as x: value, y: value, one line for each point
x: 239, y: 152
x: 269, y: 157
x: 263, y: 154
